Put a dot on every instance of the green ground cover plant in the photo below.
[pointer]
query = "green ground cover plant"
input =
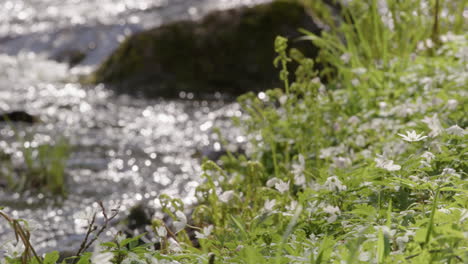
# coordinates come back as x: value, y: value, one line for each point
x: 42, y: 167
x: 364, y: 161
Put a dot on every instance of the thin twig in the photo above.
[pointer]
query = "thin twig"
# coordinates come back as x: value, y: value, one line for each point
x: 91, y: 228
x: 20, y: 233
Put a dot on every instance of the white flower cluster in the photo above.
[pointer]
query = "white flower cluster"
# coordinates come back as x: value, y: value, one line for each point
x: 386, y: 164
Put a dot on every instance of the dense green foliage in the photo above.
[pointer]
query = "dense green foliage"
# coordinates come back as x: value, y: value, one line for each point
x: 370, y: 167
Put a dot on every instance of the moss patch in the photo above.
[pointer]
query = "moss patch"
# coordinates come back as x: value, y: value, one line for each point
x: 227, y: 51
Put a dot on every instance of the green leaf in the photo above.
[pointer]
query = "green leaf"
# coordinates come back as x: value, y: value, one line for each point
x: 130, y: 240
x: 84, y: 259
x: 51, y: 257
x: 239, y: 225
x: 381, y: 247
x: 109, y: 244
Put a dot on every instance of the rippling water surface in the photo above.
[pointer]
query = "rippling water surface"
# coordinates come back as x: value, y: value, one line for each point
x: 124, y: 150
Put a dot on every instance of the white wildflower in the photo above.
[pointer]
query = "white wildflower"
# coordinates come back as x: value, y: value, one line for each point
x: 271, y: 182
x: 354, y: 120
x: 174, y: 245
x: 366, y: 184
x: 412, y: 136
x: 283, y: 99
x: 341, y: 162
x: 428, y: 156
x: 298, y: 171
x: 360, y: 141
x: 434, y: 124
x: 450, y: 171
x: 452, y: 104
x: 382, y: 105
x: 444, y: 210
x: 282, y: 186
x: 161, y: 231
x: 333, y: 211
x: 206, y: 232
x: 386, y: 164
x: 364, y: 256
x: 292, y: 206
x: 120, y: 237
x: 12, y: 250
x: 402, y: 241
x: 181, y: 223
x: 239, y: 248
x: 226, y: 196
x: 345, y: 57
x: 300, y: 180
x: 333, y: 183
x: 387, y: 232
x: 414, y: 178
x: 425, y: 164
x: 326, y: 153
x: 151, y: 259
x: 463, y: 215
x: 99, y: 257
x: 269, y: 204
x: 359, y: 71
x: 429, y: 43
x: 455, y: 130
x: 133, y: 258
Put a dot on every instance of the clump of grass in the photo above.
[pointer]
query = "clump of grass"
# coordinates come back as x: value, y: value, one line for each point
x: 42, y: 169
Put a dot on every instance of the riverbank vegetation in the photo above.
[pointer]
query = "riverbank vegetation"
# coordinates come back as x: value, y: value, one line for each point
x: 360, y: 160
x: 33, y: 166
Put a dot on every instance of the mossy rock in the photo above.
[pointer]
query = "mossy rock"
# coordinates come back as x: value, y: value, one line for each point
x: 227, y: 51
x: 18, y: 116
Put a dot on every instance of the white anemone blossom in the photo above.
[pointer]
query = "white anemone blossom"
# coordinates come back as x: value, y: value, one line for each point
x: 133, y: 258
x: 226, y: 196
x: 434, y: 124
x: 206, y: 232
x: 333, y: 212
x: 269, y: 204
x: 429, y: 156
x: 412, y: 136
x: 298, y: 171
x: 161, y: 231
x: 271, y: 182
x: 99, y: 257
x: 12, y: 250
x: 383, y: 163
x: 174, y: 245
x: 333, y: 183
x: 282, y: 186
x: 181, y: 223
x: 455, y: 130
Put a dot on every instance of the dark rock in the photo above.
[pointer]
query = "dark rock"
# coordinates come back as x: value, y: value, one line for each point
x: 139, y: 217
x: 227, y: 51
x: 70, y: 56
x: 18, y: 116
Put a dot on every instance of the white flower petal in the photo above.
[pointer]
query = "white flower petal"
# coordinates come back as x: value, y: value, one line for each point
x: 181, y: 223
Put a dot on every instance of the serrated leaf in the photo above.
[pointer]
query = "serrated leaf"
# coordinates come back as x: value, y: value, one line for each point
x: 109, y: 244
x: 84, y: 259
x: 130, y: 240
x: 51, y: 257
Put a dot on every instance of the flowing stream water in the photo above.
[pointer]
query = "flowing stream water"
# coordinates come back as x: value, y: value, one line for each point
x: 124, y: 150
